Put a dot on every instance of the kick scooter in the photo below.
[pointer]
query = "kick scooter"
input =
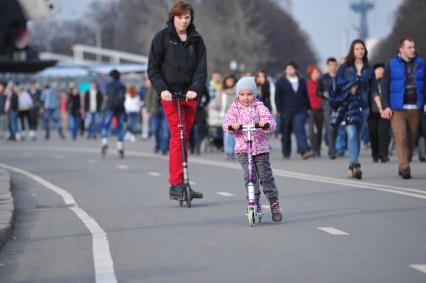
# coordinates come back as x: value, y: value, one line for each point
x: 253, y: 211
x: 186, y: 190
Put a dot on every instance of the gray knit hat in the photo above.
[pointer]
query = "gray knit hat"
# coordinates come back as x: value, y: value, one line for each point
x: 247, y: 83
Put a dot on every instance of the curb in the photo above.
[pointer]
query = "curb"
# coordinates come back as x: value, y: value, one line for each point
x: 7, y: 207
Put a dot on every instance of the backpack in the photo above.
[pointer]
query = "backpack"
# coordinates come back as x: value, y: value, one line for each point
x: 118, y: 98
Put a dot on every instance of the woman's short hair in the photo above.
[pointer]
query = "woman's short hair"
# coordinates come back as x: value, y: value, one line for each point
x: 181, y: 8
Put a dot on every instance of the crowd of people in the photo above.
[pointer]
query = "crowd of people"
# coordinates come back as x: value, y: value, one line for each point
x: 349, y: 106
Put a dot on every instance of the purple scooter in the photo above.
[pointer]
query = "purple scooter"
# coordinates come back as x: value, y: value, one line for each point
x: 253, y: 212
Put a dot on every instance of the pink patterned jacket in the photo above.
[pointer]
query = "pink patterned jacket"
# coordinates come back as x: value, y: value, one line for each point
x: 251, y: 114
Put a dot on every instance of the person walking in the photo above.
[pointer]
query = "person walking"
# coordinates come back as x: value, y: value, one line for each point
x: 378, y: 128
x: 35, y: 94
x: 292, y: 102
x: 49, y: 110
x: 114, y: 107
x: 133, y: 106
x: 25, y: 106
x: 353, y: 83
x: 93, y: 101
x: 323, y: 86
x: 178, y: 63
x: 227, y: 97
x: 403, y: 100
x: 316, y: 116
x: 74, y: 111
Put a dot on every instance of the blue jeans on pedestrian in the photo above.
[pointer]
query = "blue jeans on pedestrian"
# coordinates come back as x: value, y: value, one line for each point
x: 132, y: 119
x: 74, y: 125
x: 13, y: 123
x: 294, y: 122
x: 341, y: 144
x: 92, y: 124
x: 228, y: 143
x: 106, y: 124
x: 354, y: 133
x: 51, y: 114
x: 160, y: 130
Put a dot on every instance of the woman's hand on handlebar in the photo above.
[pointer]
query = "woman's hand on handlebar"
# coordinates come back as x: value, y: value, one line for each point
x: 166, y: 95
x: 191, y: 95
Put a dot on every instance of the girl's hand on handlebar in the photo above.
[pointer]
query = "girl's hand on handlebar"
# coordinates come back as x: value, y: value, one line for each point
x: 191, y: 95
x: 236, y: 126
x: 166, y: 95
x: 262, y: 123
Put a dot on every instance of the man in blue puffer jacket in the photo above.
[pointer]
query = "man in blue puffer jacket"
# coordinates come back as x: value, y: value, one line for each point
x: 403, y: 100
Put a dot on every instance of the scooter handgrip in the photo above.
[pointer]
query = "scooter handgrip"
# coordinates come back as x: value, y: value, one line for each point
x: 265, y: 127
x: 232, y: 129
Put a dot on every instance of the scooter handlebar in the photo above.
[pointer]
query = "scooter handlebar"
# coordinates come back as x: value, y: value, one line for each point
x: 256, y: 126
x: 178, y: 95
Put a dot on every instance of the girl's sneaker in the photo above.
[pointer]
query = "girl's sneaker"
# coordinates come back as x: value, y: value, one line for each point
x: 275, y: 210
x: 258, y: 205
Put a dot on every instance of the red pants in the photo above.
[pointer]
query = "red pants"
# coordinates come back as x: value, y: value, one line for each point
x: 175, y: 153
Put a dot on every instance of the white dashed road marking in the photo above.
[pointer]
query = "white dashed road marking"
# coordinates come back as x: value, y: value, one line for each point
x: 333, y: 231
x: 123, y: 167
x: 58, y: 156
x: 419, y: 267
x: 225, y: 194
x: 155, y: 174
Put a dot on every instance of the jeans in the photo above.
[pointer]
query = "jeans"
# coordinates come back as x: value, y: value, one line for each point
x: 160, y: 130
x: 228, y: 143
x: 341, y: 144
x: 51, y: 114
x: 93, y: 124
x: 294, y: 122
x: 106, y: 124
x: 74, y: 125
x: 132, y: 119
x: 13, y: 123
x: 354, y: 133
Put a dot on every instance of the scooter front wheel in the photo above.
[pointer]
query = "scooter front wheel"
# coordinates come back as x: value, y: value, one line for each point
x: 188, y: 196
x: 251, y: 218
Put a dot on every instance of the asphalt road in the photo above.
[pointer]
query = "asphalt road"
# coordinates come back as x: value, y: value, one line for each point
x: 110, y: 220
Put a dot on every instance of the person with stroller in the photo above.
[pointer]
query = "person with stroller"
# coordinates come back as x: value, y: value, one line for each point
x: 178, y: 63
x: 246, y: 109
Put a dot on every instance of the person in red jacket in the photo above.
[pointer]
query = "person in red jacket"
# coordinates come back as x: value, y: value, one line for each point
x: 316, y: 118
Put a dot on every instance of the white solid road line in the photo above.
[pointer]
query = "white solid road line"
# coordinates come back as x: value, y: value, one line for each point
x: 333, y: 231
x: 123, y: 167
x: 283, y: 173
x: 104, y: 266
x: 225, y: 194
x: 419, y: 267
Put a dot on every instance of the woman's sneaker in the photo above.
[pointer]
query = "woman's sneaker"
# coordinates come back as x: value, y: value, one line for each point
x: 175, y: 191
x: 275, y: 210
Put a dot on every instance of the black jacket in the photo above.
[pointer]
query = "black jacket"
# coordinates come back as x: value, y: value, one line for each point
x: 286, y: 100
x: 99, y: 101
x: 115, y: 96
x: 74, y: 104
x: 175, y: 65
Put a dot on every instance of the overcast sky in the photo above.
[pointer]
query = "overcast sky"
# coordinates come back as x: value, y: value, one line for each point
x: 328, y: 23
